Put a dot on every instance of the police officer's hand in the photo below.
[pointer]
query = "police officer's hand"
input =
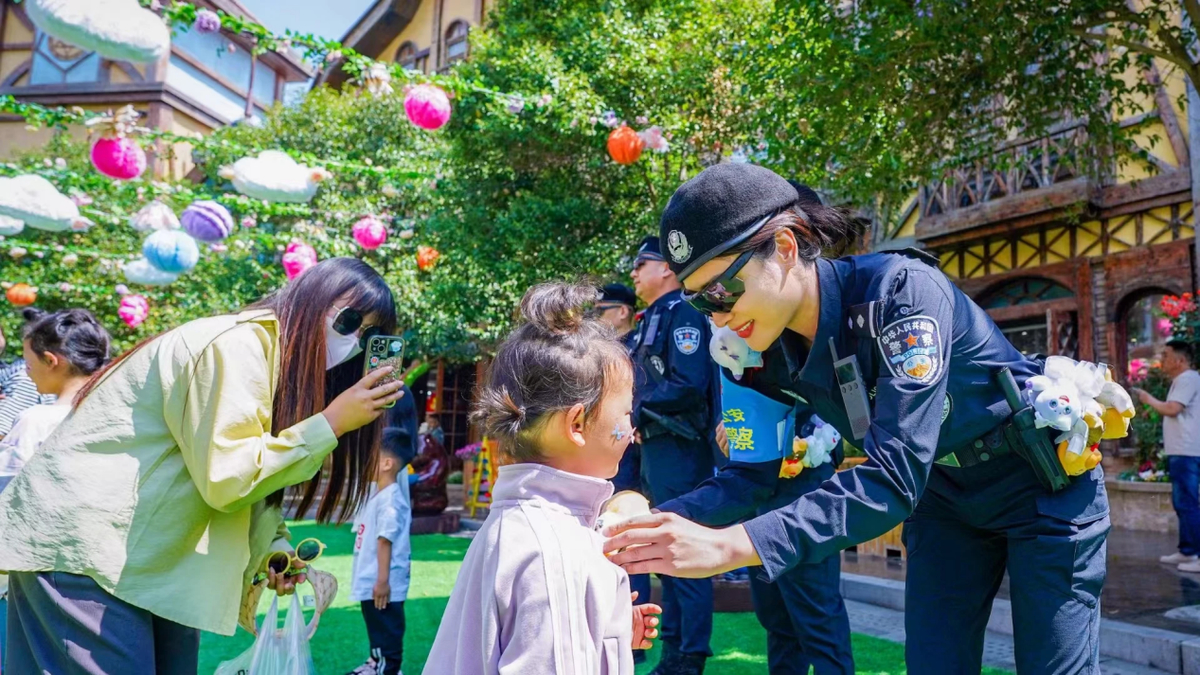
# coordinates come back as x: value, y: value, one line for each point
x: 665, y: 543
x: 722, y: 439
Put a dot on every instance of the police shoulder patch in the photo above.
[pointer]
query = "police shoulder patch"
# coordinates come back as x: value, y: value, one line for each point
x: 687, y: 339
x: 911, y: 348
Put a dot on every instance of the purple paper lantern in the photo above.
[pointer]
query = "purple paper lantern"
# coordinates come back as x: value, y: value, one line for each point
x: 207, y: 221
x: 207, y: 21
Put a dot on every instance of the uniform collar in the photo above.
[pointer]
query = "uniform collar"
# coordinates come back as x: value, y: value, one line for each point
x: 582, y: 496
x: 816, y: 366
x: 667, y: 298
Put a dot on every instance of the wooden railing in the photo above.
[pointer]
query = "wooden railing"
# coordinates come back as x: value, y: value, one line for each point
x: 1021, y: 167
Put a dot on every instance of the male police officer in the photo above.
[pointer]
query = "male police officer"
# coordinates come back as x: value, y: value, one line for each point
x: 676, y: 405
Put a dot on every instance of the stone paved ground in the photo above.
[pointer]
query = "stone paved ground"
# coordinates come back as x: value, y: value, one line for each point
x: 888, y: 624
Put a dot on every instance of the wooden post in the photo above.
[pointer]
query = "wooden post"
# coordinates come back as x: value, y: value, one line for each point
x: 250, y: 87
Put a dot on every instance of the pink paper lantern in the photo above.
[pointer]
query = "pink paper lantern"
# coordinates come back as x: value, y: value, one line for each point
x: 120, y: 158
x: 369, y: 233
x: 133, y: 310
x: 298, y: 257
x: 427, y: 106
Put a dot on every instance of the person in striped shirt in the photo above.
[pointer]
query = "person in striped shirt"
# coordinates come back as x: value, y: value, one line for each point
x: 17, y: 391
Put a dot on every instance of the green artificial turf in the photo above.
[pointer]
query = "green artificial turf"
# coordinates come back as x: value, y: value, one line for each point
x: 341, y: 643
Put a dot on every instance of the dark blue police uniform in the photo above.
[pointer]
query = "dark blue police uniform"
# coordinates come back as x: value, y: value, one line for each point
x: 929, y: 355
x: 629, y: 474
x: 675, y: 404
x: 802, y: 610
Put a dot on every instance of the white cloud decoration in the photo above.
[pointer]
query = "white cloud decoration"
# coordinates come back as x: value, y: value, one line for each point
x: 10, y: 226
x: 121, y: 30
x: 274, y: 177
x: 140, y: 271
x: 36, y: 201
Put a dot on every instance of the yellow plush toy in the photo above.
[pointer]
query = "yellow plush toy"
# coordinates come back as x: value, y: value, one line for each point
x: 1078, y: 463
x: 794, y: 464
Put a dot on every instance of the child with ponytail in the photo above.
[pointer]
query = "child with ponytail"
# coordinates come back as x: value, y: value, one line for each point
x: 535, y: 594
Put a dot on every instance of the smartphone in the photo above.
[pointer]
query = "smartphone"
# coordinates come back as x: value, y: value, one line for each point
x: 383, y: 351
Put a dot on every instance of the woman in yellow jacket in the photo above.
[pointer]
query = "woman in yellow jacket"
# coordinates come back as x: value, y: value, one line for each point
x: 144, y: 516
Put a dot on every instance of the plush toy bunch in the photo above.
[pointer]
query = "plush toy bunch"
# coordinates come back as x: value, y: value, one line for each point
x: 1081, y: 400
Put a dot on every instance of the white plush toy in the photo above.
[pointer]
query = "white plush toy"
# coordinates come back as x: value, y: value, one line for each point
x: 622, y: 506
x: 1081, y: 400
x: 140, y: 271
x: 810, y: 451
x: 275, y: 177
x: 821, y: 444
x: 39, y: 204
x: 120, y: 30
x: 10, y: 226
x: 732, y: 352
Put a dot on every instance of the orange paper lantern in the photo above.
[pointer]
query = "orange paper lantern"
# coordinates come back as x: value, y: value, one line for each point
x: 427, y: 257
x: 22, y: 295
x: 624, y: 145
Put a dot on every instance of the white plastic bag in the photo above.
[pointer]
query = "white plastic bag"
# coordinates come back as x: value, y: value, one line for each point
x: 276, y: 651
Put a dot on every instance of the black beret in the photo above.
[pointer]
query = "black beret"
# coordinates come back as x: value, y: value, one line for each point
x: 807, y: 194
x: 649, y: 250
x: 619, y: 294
x: 719, y: 208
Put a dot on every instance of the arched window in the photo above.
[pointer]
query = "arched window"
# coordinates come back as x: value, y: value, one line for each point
x: 410, y: 59
x: 1030, y: 332
x: 1024, y: 291
x: 1145, y: 329
x: 456, y: 43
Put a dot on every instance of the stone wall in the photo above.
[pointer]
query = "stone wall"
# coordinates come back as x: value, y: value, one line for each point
x: 1141, y: 506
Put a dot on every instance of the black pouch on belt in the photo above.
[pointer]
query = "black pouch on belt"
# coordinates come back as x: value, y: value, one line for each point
x: 1030, y: 442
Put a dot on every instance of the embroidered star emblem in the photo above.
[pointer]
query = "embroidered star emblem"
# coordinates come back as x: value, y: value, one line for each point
x: 911, y: 340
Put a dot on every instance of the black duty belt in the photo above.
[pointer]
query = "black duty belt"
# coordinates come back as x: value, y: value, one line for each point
x: 987, y: 447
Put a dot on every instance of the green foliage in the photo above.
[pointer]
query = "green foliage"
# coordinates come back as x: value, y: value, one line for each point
x: 1146, y: 426
x: 511, y: 192
x: 875, y: 97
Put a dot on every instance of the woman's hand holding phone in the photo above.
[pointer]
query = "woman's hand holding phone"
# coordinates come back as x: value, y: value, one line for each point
x: 362, y: 403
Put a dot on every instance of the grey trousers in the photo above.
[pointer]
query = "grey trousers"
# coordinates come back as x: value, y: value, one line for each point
x: 65, y: 624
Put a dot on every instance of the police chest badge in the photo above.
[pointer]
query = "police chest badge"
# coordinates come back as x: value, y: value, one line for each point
x: 658, y: 364
x: 687, y: 340
x: 911, y: 348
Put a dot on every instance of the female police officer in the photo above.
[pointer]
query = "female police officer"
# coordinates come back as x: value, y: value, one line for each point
x: 905, y: 366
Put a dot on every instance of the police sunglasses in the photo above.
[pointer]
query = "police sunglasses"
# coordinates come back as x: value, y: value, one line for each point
x: 722, y: 293
x: 348, y: 320
x: 598, y: 310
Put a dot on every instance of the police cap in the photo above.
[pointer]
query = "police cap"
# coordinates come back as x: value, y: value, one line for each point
x: 718, y: 209
x: 618, y: 294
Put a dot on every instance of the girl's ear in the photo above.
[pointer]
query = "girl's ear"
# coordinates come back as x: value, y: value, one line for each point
x: 573, y: 419
x: 50, y: 359
x: 786, y: 248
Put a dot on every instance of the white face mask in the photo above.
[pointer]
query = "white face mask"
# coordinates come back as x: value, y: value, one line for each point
x: 339, y: 348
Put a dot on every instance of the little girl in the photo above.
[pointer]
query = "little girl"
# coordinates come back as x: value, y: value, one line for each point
x: 535, y: 594
x: 62, y: 350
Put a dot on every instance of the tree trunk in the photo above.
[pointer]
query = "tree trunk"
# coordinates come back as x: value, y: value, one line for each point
x: 1193, y: 118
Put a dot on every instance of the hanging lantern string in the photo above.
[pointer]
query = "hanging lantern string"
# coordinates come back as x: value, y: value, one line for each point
x: 153, y: 190
x: 38, y: 116
x: 322, y: 51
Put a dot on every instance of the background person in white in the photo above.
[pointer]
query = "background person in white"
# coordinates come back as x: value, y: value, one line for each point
x: 382, y: 562
x: 1181, y: 442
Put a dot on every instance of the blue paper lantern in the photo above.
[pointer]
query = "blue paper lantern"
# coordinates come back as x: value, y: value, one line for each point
x: 171, y: 251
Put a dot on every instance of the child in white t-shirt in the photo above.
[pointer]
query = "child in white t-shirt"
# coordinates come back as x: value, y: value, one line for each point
x: 382, y: 563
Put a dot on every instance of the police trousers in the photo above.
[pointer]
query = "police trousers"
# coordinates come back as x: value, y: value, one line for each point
x: 672, y: 467
x: 803, y: 611
x: 972, y: 525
